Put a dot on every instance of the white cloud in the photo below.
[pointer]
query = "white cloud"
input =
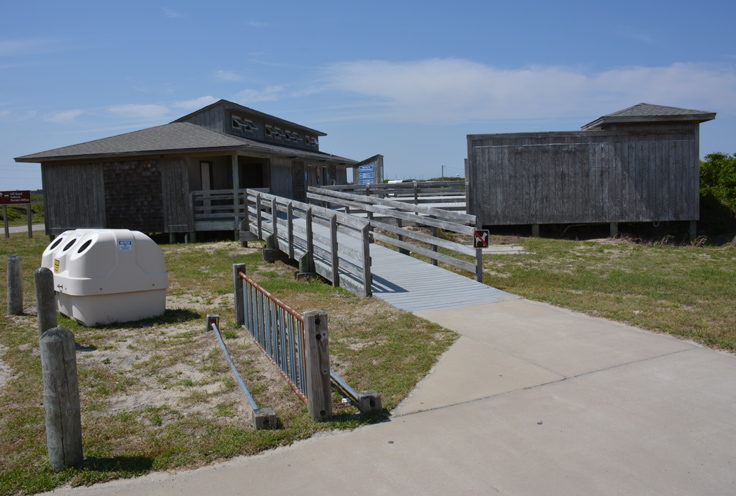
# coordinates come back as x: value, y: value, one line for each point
x: 459, y: 90
x: 227, y: 76
x: 195, y: 103
x: 270, y: 93
x: 173, y: 14
x: 25, y: 46
x: 62, y: 117
x: 140, y: 111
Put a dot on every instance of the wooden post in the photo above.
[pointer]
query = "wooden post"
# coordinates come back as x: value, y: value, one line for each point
x: 613, y: 229
x: 45, y: 299
x: 238, y: 269
x: 61, y: 398
x: 535, y: 230
x: 258, y: 215
x: 333, y: 252
x: 5, y: 221
x: 306, y: 262
x: 236, y: 187
x: 479, y: 257
x: 29, y: 215
x: 416, y: 193
x: 403, y: 251
x: 692, y: 230
x: 367, y: 275
x: 434, y: 247
x: 275, y: 222
x: 15, y: 285
x: 319, y: 401
x: 212, y: 319
x: 290, y: 221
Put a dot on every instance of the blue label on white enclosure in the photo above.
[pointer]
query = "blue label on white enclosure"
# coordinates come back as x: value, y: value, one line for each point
x: 125, y: 244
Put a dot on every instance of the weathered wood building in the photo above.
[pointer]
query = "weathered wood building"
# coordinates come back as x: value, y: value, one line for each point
x: 185, y: 176
x: 640, y: 164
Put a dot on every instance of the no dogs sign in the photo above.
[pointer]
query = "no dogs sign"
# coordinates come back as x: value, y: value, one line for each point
x: 481, y: 238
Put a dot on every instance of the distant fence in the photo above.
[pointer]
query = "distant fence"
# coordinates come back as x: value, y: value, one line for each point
x: 449, y: 194
x: 391, y: 217
x: 297, y: 343
x: 309, y: 233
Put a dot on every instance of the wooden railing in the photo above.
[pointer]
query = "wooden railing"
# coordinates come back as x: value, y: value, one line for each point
x: 309, y: 233
x: 217, y: 204
x: 450, y: 194
x: 388, y: 219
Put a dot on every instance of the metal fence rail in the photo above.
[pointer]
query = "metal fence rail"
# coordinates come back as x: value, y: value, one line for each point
x: 297, y: 344
x: 279, y: 331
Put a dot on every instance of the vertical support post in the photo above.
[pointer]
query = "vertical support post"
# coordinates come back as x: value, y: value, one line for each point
x: 416, y: 193
x: 333, y: 252
x: 45, y: 299
x: 61, y: 398
x: 400, y: 225
x: 434, y: 247
x: 692, y: 230
x: 238, y: 269
x: 15, y: 285
x: 5, y: 221
x: 236, y: 187
x: 613, y: 229
x: 367, y: 275
x: 212, y: 319
x: 319, y: 401
x: 258, y: 215
x: 535, y: 230
x: 172, y: 238
x: 29, y: 217
x: 306, y: 263
x: 246, y: 214
x: 290, y: 221
x: 479, y: 256
x: 275, y: 222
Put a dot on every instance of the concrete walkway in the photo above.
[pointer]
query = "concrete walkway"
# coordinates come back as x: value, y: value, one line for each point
x: 531, y: 400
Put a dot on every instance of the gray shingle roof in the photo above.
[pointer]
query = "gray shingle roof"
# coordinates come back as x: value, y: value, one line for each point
x: 177, y: 137
x: 647, y: 112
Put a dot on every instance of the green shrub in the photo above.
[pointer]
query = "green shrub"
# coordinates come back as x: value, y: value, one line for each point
x: 718, y: 178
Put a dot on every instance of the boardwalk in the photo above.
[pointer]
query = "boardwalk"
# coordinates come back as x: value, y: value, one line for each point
x: 416, y: 286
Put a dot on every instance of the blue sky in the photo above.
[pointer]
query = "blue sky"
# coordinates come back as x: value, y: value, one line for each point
x: 406, y: 79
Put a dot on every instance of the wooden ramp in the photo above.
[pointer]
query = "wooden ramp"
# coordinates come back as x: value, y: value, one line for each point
x: 415, y: 286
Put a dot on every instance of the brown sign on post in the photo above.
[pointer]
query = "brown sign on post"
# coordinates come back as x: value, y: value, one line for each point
x: 15, y: 197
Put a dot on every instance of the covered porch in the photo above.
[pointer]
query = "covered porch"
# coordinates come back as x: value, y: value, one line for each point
x: 218, y: 183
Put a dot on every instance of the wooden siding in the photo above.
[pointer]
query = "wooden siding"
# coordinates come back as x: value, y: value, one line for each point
x: 133, y: 195
x: 213, y: 119
x: 644, y: 173
x: 177, y: 208
x: 74, y: 196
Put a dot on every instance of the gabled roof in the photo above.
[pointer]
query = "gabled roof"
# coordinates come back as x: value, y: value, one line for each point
x: 647, y: 112
x: 176, y: 137
x: 228, y: 105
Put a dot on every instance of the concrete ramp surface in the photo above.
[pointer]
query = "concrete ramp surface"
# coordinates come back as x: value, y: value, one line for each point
x: 531, y: 400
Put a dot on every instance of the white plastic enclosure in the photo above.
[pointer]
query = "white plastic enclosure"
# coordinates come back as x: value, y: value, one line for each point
x: 104, y: 276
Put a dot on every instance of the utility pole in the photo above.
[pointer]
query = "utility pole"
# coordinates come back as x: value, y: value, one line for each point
x: 443, y: 171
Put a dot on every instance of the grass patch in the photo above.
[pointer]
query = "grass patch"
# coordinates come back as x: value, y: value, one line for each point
x: 687, y: 291
x: 157, y: 394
